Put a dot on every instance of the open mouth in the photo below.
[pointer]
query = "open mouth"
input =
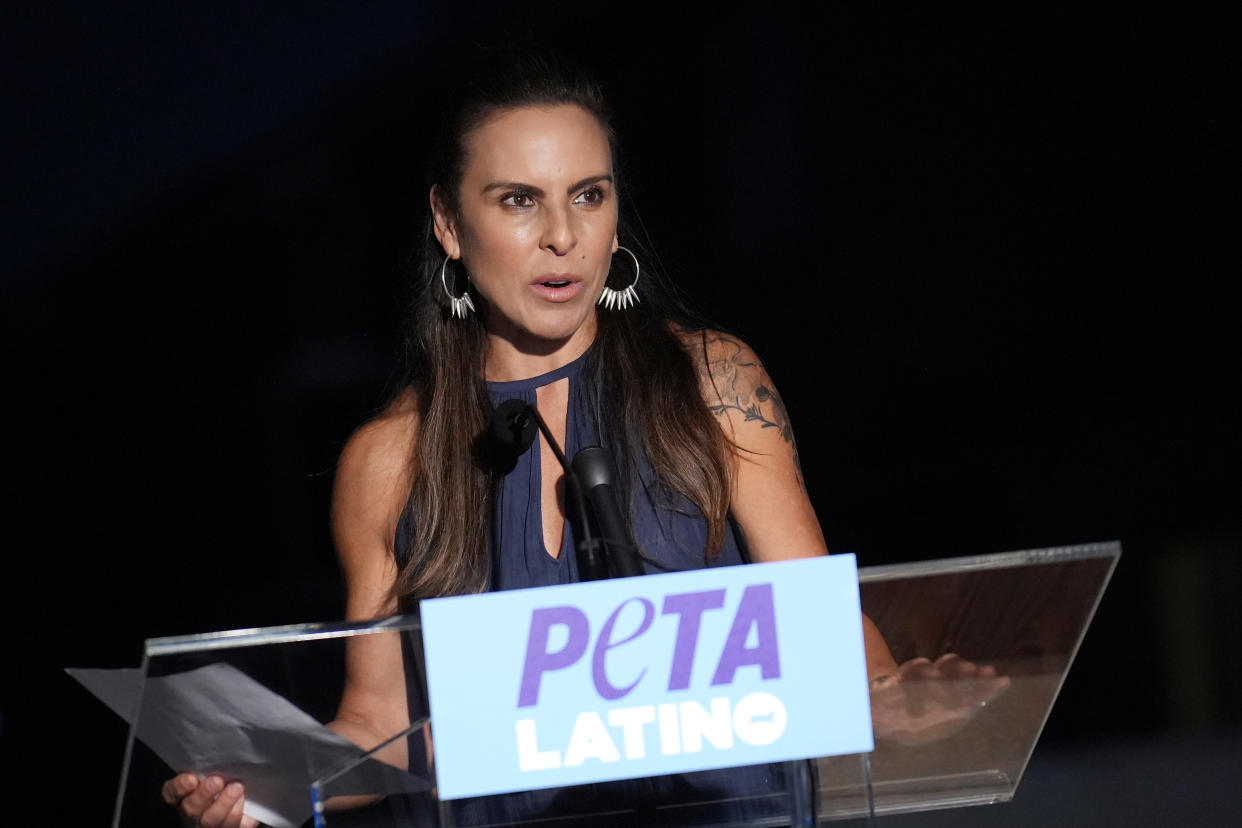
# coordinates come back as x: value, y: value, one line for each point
x: 554, y: 289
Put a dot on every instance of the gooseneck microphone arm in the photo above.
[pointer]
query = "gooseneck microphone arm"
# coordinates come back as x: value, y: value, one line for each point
x: 511, y: 424
x: 533, y: 411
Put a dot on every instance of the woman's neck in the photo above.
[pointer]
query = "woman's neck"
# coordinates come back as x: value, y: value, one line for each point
x: 509, y: 360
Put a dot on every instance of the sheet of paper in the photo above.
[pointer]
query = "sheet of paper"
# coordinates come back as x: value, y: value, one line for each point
x: 218, y: 720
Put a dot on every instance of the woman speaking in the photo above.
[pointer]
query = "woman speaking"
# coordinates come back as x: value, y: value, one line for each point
x: 532, y: 286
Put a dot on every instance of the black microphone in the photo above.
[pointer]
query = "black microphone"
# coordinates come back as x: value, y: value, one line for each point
x: 513, y: 426
x: 598, y: 478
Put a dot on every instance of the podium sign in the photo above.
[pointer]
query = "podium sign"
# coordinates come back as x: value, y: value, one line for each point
x: 634, y: 677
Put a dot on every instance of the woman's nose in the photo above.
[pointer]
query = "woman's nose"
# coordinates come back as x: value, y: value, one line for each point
x: 559, y: 235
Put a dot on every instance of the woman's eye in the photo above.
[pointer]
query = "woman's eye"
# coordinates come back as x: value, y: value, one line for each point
x: 594, y: 195
x: 518, y: 200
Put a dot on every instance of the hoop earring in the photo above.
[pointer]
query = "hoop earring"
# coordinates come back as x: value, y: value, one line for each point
x: 459, y: 306
x: 627, y: 296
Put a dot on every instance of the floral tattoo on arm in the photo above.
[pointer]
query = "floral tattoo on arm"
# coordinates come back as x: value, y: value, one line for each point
x: 738, y: 379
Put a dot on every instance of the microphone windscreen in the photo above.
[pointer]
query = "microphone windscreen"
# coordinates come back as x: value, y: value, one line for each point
x: 513, y: 426
x: 593, y: 465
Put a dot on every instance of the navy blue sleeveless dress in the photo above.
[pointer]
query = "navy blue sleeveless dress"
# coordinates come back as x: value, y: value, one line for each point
x: 672, y: 535
x: 667, y: 527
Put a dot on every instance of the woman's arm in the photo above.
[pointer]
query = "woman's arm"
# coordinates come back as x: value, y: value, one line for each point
x: 372, y: 483
x: 769, y: 499
x: 916, y: 702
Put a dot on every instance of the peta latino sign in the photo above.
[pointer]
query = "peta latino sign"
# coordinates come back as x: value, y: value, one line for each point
x: 564, y: 685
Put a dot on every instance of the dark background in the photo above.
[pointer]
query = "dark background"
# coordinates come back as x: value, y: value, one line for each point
x: 984, y: 256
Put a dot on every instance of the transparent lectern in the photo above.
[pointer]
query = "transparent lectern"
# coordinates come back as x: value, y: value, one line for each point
x: 249, y: 704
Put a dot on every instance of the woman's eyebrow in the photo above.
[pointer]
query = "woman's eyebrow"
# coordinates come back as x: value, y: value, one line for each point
x: 589, y: 180
x: 539, y: 193
x: 513, y: 185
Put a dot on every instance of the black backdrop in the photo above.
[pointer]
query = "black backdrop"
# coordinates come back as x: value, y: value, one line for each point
x: 984, y: 256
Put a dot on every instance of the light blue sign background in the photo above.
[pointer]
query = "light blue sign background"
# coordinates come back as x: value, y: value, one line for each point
x: 476, y: 652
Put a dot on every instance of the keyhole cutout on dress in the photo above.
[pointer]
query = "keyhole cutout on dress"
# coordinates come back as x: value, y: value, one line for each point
x: 553, y: 402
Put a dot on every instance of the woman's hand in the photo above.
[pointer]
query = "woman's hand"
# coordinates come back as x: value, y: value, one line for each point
x: 208, y: 802
x: 925, y: 701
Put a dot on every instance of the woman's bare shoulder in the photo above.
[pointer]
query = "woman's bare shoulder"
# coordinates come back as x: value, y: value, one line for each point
x: 373, y: 473
x: 392, y: 429
x: 728, y: 368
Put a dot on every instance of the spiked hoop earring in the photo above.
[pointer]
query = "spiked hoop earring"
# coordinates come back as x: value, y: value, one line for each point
x: 459, y: 306
x: 627, y: 296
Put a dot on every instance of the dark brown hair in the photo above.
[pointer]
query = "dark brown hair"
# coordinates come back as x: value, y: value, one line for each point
x: 641, y: 363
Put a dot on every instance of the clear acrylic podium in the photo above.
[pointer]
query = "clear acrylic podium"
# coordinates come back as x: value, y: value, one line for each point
x: 1025, y: 613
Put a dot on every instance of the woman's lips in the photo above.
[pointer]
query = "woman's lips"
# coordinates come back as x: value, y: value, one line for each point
x: 558, y: 288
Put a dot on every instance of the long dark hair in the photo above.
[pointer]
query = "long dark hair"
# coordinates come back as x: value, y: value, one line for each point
x: 640, y: 363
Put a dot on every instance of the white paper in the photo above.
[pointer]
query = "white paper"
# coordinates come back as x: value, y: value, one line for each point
x: 218, y: 720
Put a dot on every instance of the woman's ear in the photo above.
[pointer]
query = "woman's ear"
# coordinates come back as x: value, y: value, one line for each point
x: 616, y: 243
x: 444, y: 226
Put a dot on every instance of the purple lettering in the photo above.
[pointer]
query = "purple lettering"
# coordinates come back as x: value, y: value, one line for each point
x: 538, y: 659
x: 689, y: 606
x: 755, y: 610
x: 604, y: 643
